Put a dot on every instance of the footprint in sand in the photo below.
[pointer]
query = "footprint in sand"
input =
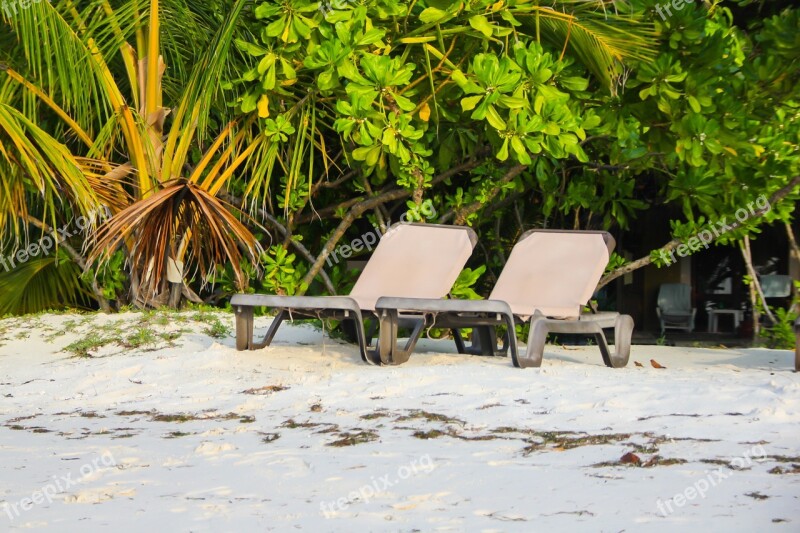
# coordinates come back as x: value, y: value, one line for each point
x: 129, y: 372
x: 98, y: 495
x: 214, y: 448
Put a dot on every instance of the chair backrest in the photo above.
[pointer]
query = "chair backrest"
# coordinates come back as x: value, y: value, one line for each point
x: 776, y: 286
x: 674, y: 297
x: 553, y: 271
x: 414, y: 261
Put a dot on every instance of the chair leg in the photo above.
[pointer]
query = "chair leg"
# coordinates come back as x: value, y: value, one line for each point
x: 371, y: 331
x: 602, y: 343
x: 244, y: 328
x: 459, y: 340
x: 400, y: 356
x: 387, y: 351
x: 387, y: 337
x: 623, y: 329
x: 363, y: 344
x: 273, y: 329
x: 484, y: 340
x: 536, y: 340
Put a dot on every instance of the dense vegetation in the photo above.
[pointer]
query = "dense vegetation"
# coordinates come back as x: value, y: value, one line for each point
x: 240, y: 143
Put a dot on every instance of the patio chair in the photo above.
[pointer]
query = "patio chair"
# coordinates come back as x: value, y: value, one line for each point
x: 547, y: 280
x: 420, y: 260
x: 776, y: 286
x: 674, y: 307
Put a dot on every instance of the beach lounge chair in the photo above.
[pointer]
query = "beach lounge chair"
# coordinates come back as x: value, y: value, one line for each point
x: 419, y: 260
x: 548, y: 279
x: 675, y: 309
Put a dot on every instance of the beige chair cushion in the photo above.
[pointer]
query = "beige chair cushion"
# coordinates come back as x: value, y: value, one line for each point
x: 553, y: 272
x: 414, y: 261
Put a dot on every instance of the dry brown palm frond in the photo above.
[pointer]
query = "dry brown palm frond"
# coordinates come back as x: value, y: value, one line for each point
x: 154, y: 227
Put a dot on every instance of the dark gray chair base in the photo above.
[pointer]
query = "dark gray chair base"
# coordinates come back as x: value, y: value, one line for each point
x: 587, y: 325
x: 335, y: 307
x: 484, y: 316
x: 447, y: 314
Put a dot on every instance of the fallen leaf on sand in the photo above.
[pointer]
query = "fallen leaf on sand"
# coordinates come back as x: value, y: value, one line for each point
x: 655, y: 364
x: 269, y: 389
x: 637, y: 363
x: 630, y: 458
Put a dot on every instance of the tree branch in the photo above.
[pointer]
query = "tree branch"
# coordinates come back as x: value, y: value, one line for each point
x: 301, y: 249
x: 351, y: 216
x: 449, y: 173
x: 362, y: 205
x: 463, y: 212
x: 674, y: 243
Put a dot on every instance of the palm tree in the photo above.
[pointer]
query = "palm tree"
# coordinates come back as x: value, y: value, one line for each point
x: 79, y: 137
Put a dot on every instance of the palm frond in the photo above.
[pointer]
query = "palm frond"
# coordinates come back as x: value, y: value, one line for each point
x: 52, y: 52
x: 155, y: 226
x: 44, y: 164
x: 587, y: 30
x: 42, y: 283
x: 192, y: 115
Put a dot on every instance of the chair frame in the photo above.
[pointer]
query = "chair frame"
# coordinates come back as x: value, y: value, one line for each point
x: 342, y: 308
x: 485, y: 315
x: 322, y: 307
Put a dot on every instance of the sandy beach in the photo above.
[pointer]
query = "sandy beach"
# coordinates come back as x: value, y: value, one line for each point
x: 159, y: 423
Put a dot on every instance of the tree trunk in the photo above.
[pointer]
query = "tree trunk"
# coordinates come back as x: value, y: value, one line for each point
x: 752, y: 291
x: 794, y: 254
x: 175, y: 293
x: 756, y: 293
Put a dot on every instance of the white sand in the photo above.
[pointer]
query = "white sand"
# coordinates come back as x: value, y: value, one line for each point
x: 88, y: 441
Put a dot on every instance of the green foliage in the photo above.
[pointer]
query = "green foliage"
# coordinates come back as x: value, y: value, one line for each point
x: 781, y: 335
x: 463, y: 287
x: 143, y: 331
x: 84, y: 346
x: 281, y: 276
x: 218, y: 329
x: 111, y: 277
x: 396, y: 99
x: 614, y: 262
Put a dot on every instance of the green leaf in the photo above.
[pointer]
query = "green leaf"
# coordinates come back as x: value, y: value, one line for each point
x: 252, y: 49
x: 520, y: 151
x: 502, y: 154
x: 512, y: 102
x: 574, y: 83
x: 481, y: 23
x: 249, y: 102
x: 403, y: 103
x: 431, y: 14
x: 371, y: 37
x: 494, y: 118
x: 469, y: 103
